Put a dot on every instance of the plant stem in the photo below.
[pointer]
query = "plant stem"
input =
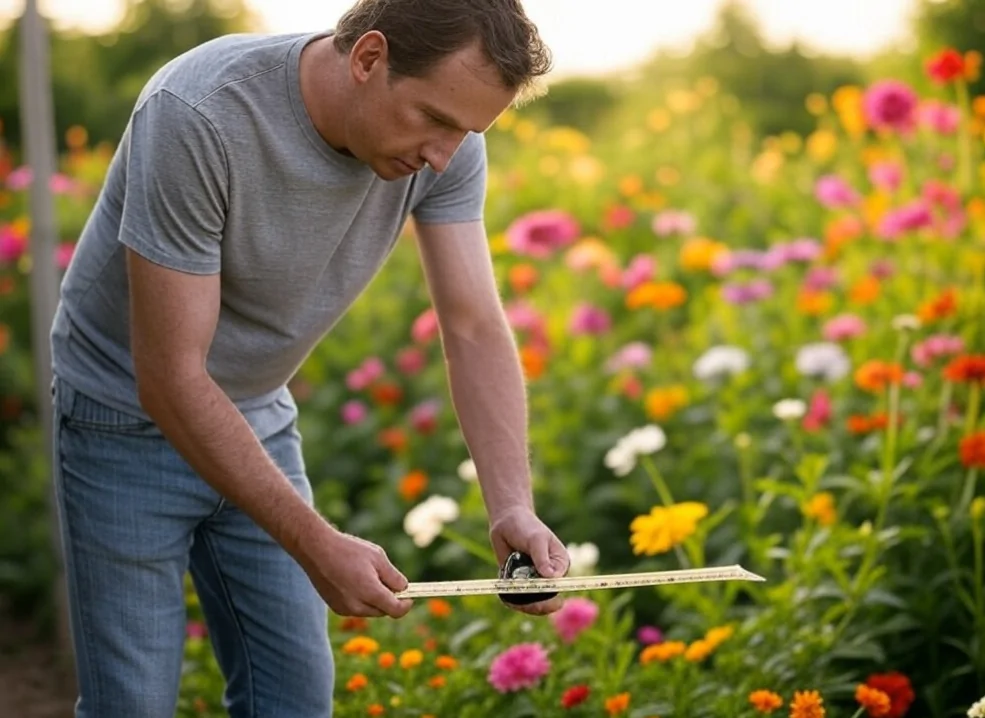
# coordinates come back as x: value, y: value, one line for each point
x: 974, y: 402
x: 471, y: 546
x: 658, y: 481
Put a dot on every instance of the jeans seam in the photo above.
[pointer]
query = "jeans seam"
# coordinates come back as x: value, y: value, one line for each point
x: 227, y: 597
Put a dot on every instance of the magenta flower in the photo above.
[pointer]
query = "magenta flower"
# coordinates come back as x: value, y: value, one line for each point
x: 353, y: 412
x: 941, y: 117
x: 12, y: 245
x: 634, y: 355
x: 820, y: 278
x: 424, y: 416
x: 834, y: 192
x: 589, y: 319
x: 20, y: 178
x: 522, y: 316
x: 539, y: 234
x: 754, y: 290
x: 425, y: 327
x: 575, y: 616
x: 641, y: 269
x: 844, y: 327
x: 63, y: 255
x: 648, y: 635
x: 886, y: 175
x: 365, y: 374
x: 819, y: 411
x: 673, y: 222
x: 410, y: 361
x: 196, y: 629
x: 934, y: 347
x: 882, y: 268
x: 518, y: 667
x: 908, y: 218
x: 892, y: 105
x: 804, y: 249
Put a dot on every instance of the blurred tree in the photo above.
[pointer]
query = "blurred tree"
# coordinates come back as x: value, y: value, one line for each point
x: 96, y: 78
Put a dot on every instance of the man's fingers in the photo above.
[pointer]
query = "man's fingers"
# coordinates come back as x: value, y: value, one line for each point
x: 390, y: 576
x: 541, y: 555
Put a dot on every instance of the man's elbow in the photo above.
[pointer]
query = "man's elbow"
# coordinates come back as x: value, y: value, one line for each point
x: 164, y: 388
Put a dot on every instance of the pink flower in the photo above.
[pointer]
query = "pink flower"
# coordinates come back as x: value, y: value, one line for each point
x: 523, y: 316
x: 575, y: 616
x: 821, y: 278
x: 353, y: 412
x: 12, y: 245
x: 818, y: 411
x: 747, y: 292
x: 934, y: 347
x: 195, y: 629
x: 908, y: 218
x: 424, y: 416
x: 835, y: 193
x: 518, y: 667
x: 410, y: 361
x: 425, y: 327
x: 844, y: 327
x: 673, y: 221
x: 882, y: 268
x: 63, y: 255
x: 942, y: 118
x: 588, y: 319
x: 886, y: 175
x: 539, y: 234
x: 648, y: 635
x: 641, y: 269
x: 20, y: 179
x: 365, y: 374
x: 891, y: 104
x: 912, y: 379
x: 634, y: 355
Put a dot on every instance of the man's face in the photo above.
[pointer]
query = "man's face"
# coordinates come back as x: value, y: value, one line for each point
x: 397, y: 125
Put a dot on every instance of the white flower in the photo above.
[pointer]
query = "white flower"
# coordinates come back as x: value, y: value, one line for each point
x: 824, y: 359
x: 904, y: 322
x: 648, y: 439
x: 977, y: 710
x: 424, y: 522
x: 721, y: 361
x: 789, y: 409
x: 584, y: 557
x: 467, y: 472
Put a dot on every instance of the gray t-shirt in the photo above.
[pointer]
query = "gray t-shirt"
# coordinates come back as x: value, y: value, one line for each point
x: 220, y: 169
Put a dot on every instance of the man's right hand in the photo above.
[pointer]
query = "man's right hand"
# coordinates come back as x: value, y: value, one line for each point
x: 353, y: 576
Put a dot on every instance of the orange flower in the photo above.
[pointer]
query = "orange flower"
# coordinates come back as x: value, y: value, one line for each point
x: 875, y: 702
x: 431, y: 644
x: 720, y: 634
x: 412, y: 485
x: 822, y: 508
x: 876, y: 375
x: 411, y: 658
x: 967, y: 368
x: 523, y: 277
x: 663, y: 402
x: 765, y: 701
x: 814, y: 303
x: 662, y: 652
x: 386, y: 660
x: 698, y: 651
x: 942, y: 306
x: 841, y: 231
x: 357, y: 682
x: 376, y: 710
x: 807, y: 704
x: 360, y: 646
x: 354, y: 624
x: 865, y: 290
x: 617, y: 704
x: 657, y: 295
x: 446, y: 663
x: 393, y: 439
x: 387, y: 394
x: 972, y: 449
x: 534, y: 361
x: 700, y: 253
x: 439, y: 608
x: 437, y: 681
x: 860, y: 424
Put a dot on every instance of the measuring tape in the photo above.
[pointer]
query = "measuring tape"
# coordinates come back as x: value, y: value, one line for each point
x: 480, y: 587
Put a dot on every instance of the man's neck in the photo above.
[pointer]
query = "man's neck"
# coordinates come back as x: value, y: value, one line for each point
x: 322, y: 74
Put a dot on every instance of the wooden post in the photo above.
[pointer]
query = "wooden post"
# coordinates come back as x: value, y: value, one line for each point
x: 38, y: 137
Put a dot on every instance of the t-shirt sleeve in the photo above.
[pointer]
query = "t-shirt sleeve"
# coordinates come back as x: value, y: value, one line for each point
x: 176, y: 186
x: 459, y: 193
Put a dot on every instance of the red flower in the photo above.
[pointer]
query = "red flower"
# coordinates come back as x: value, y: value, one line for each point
x: 898, y: 688
x: 972, y: 450
x: 946, y: 66
x: 968, y: 367
x: 574, y: 695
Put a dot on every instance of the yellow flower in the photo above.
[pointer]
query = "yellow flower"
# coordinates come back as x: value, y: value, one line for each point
x: 814, y: 303
x: 717, y: 636
x: 659, y: 119
x: 566, y: 139
x: 662, y: 652
x: 816, y: 103
x: 822, y: 508
x: 666, y: 527
x: 698, y: 651
x: 663, y: 402
x: 630, y: 185
x: 411, y: 658
x: 821, y: 145
x: 360, y: 646
x: 700, y: 253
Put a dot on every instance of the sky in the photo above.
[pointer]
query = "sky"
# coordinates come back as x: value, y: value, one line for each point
x: 592, y: 36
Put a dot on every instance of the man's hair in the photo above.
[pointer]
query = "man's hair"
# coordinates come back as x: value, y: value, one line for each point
x: 420, y: 33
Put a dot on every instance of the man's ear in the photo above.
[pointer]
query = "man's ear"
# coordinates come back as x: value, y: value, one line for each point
x: 368, y: 55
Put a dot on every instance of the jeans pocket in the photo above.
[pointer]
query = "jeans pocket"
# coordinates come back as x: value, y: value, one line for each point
x: 80, y: 411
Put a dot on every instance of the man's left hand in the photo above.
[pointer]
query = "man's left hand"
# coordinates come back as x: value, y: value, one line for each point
x: 520, y: 530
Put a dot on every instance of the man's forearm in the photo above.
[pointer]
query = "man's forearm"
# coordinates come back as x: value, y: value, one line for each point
x: 215, y: 439
x: 488, y: 390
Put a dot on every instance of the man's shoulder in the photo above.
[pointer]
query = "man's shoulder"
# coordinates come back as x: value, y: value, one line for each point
x: 200, y: 72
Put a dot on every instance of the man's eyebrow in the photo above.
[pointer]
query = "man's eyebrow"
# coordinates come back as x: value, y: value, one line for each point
x: 441, y: 116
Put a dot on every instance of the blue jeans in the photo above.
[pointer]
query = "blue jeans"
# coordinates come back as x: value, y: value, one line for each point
x: 134, y: 518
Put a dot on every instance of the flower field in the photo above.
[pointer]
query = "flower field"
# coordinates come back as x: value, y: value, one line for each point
x: 738, y: 351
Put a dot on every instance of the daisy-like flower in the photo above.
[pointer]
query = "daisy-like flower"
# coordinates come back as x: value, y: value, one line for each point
x: 875, y: 701
x: 583, y: 558
x: 789, y: 409
x: 978, y: 709
x: 424, y: 522
x: 467, y: 471
x: 765, y: 701
x: 721, y: 361
x: 807, y: 704
x: 665, y: 527
x: 824, y: 360
x: 621, y: 458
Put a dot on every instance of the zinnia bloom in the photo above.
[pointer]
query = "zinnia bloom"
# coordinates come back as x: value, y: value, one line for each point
x: 521, y: 666
x: 360, y: 646
x: 765, y: 701
x: 657, y: 295
x: 898, y: 688
x: 665, y: 527
x: 589, y: 319
x: 807, y: 704
x: 875, y: 702
x: 821, y: 507
x: 412, y: 485
x: 539, y: 234
x: 891, y: 104
x: 972, y: 449
x: 945, y: 66
x: 617, y: 704
x: 662, y: 652
x: 574, y: 696
x: 844, y: 327
x: 662, y: 402
x: 575, y: 616
x: 876, y: 375
x: 969, y: 368
x: 834, y: 192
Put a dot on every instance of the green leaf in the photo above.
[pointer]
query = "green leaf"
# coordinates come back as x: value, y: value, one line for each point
x: 470, y: 631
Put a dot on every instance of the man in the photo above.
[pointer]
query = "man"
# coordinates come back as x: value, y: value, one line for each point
x: 259, y: 186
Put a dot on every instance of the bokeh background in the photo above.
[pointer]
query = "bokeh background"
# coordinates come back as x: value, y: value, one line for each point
x: 741, y: 247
